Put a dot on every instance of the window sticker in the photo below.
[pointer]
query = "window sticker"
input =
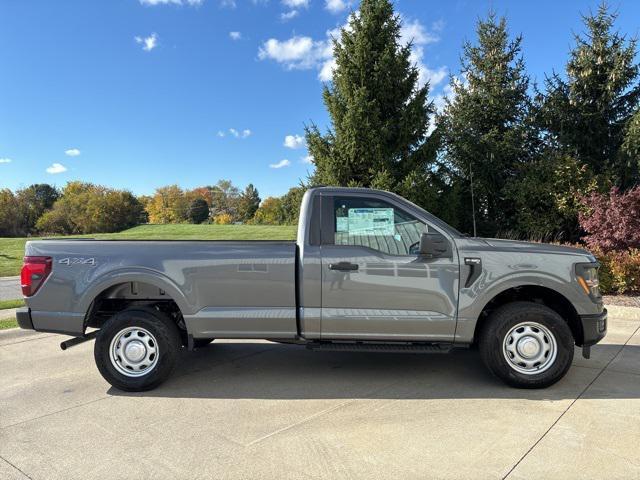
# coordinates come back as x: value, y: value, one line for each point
x: 370, y: 221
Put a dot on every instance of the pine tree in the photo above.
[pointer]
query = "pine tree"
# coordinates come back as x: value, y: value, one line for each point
x: 590, y: 112
x: 198, y: 210
x: 379, y: 112
x: 248, y: 203
x: 485, y: 127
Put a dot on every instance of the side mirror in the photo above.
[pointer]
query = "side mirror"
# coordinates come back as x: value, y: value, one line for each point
x: 434, y: 245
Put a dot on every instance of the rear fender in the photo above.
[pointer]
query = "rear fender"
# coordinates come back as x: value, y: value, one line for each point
x: 128, y: 275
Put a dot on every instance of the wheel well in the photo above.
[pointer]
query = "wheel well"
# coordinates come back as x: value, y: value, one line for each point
x: 533, y: 293
x: 124, y: 295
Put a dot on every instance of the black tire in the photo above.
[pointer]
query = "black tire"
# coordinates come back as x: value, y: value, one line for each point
x: 502, y: 322
x: 166, y: 336
x: 202, y: 342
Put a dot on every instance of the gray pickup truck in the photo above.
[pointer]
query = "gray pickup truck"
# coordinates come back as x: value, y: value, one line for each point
x: 369, y: 271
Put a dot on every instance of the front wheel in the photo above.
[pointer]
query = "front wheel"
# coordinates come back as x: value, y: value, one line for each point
x: 527, y: 345
x: 137, y: 348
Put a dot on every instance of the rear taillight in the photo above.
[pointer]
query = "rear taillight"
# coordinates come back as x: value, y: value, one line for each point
x: 34, y: 272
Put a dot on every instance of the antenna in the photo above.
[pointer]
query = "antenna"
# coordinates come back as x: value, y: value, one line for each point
x: 473, y: 203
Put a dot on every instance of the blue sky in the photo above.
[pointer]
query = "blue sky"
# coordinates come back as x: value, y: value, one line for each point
x: 138, y: 94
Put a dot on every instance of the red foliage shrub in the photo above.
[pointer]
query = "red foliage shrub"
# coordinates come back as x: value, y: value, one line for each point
x: 612, y: 221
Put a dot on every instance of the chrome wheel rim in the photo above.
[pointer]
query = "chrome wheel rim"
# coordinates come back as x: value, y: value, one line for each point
x: 134, y: 352
x: 530, y: 348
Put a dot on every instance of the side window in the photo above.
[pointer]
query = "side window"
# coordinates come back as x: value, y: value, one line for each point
x: 376, y: 224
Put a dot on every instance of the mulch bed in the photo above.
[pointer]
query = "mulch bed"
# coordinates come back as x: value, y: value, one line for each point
x: 622, y: 300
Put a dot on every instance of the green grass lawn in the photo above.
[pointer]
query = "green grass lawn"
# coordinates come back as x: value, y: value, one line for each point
x: 5, y: 304
x: 7, y: 323
x: 12, y: 249
x: 5, y: 320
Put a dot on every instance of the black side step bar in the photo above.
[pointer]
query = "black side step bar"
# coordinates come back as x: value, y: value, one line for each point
x: 381, y: 347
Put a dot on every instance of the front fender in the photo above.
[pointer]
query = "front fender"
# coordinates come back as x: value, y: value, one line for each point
x: 474, y: 299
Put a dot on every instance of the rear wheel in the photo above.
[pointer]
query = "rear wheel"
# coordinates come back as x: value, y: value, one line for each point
x: 137, y: 348
x: 527, y: 345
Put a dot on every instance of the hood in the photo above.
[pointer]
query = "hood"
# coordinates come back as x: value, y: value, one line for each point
x: 497, y: 244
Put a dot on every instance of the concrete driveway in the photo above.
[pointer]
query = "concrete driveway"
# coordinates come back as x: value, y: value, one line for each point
x: 261, y: 410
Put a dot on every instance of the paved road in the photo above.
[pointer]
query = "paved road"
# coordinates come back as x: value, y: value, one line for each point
x: 10, y: 288
x: 260, y: 410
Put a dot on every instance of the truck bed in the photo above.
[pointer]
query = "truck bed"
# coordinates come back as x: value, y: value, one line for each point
x: 223, y: 288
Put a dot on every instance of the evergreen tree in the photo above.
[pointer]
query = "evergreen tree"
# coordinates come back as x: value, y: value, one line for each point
x: 248, y: 203
x: 379, y: 112
x: 589, y: 113
x: 291, y: 202
x: 198, y: 210
x: 486, y: 131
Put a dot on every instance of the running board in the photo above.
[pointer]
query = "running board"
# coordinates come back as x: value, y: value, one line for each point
x: 381, y: 347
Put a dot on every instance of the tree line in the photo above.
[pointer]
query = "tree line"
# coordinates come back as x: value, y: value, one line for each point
x: 504, y: 156
x: 82, y: 207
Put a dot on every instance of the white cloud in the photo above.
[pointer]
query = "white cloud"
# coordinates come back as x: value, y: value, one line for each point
x: 72, y: 152
x: 326, y: 71
x: 414, y: 31
x: 228, y: 3
x: 235, y: 35
x: 426, y: 74
x: 304, y: 53
x: 5, y: 160
x: 280, y: 164
x: 236, y: 133
x: 297, y: 52
x: 438, y: 25
x: 337, y: 6
x: 56, y: 168
x: 307, y: 159
x: 295, y: 3
x: 171, y: 2
x: 294, y: 141
x: 288, y: 15
x: 148, y: 43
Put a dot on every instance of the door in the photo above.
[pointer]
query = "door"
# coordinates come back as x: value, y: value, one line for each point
x: 375, y: 284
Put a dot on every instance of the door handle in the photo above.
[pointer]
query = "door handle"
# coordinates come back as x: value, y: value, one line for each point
x: 344, y: 266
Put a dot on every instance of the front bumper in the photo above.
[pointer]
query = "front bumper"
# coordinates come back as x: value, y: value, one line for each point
x: 23, y: 315
x: 594, y: 328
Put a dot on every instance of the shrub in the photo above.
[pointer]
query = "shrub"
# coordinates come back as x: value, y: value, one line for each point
x: 612, y: 221
x: 223, y: 219
x: 619, y: 271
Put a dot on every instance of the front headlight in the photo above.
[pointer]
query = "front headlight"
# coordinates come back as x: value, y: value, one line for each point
x: 587, y: 276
